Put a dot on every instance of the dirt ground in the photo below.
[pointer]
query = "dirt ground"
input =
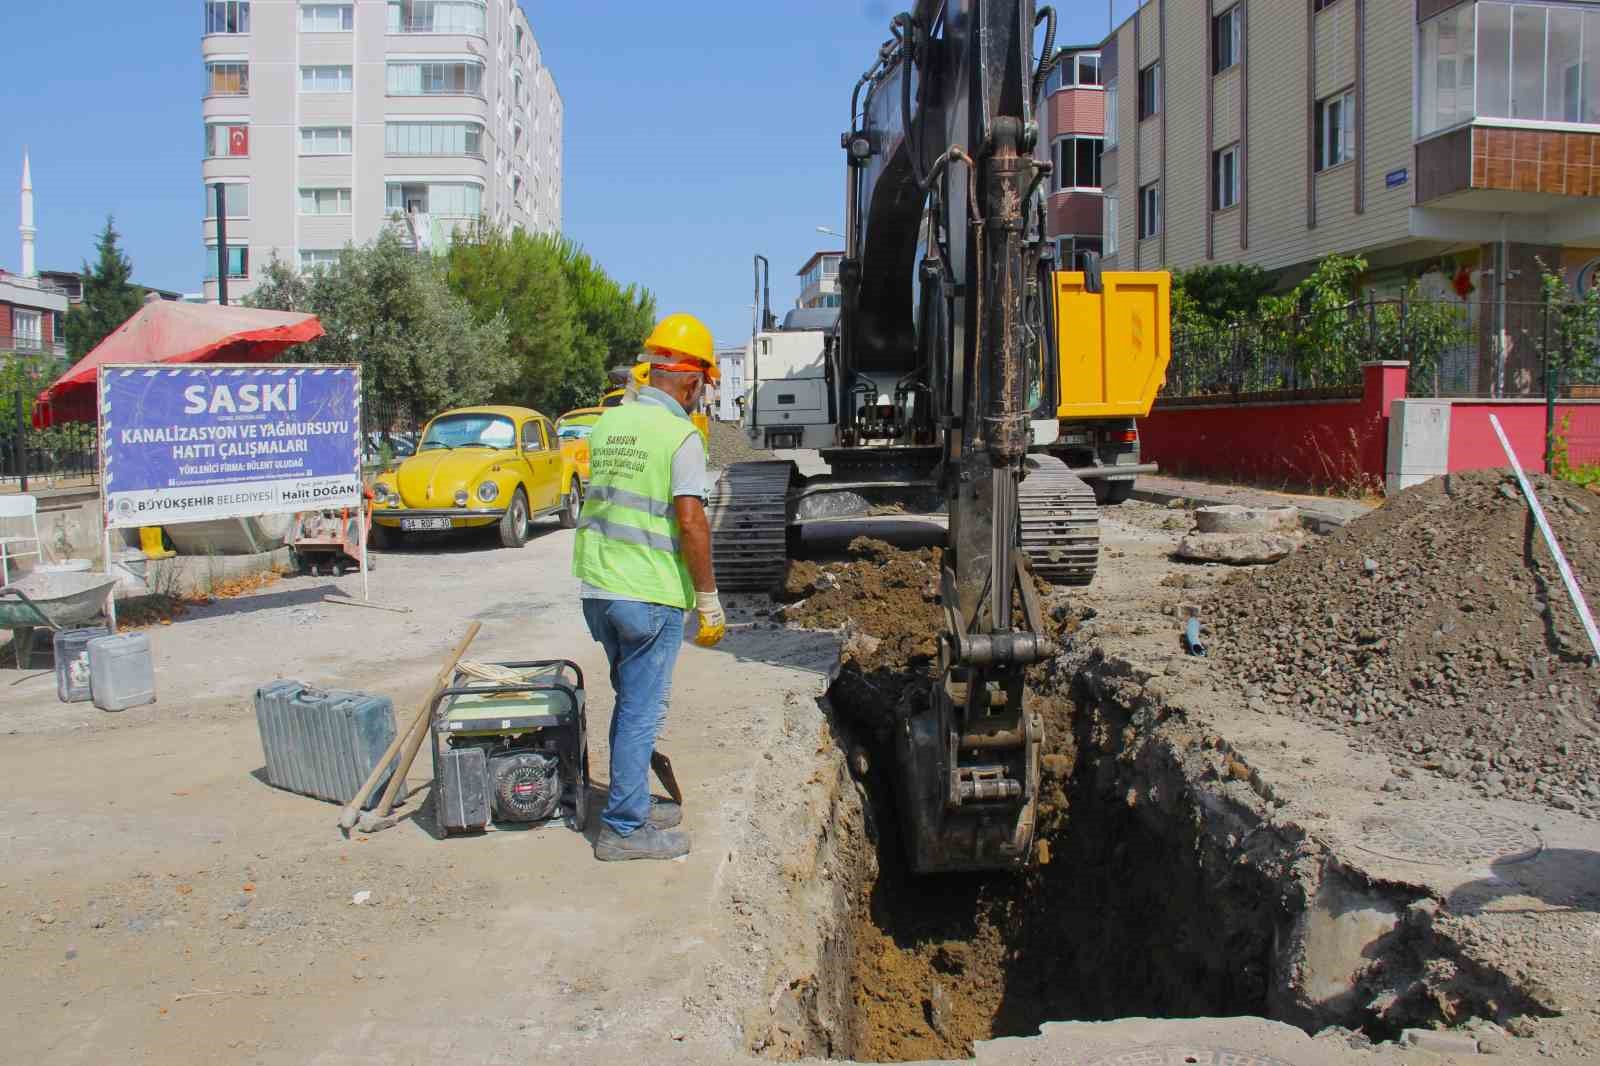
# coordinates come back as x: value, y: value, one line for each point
x: 159, y: 903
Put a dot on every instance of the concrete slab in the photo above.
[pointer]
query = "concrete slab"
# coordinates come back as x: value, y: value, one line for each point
x: 1320, y: 514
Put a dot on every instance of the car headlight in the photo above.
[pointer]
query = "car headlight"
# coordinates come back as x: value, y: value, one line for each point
x: 461, y: 497
x: 488, y: 491
x: 384, y: 494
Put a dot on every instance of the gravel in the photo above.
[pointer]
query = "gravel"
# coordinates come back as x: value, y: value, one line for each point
x: 730, y: 445
x: 1437, y: 632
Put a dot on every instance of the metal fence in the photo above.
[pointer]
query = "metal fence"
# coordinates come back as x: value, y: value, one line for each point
x: 1454, y: 350
x: 30, y: 459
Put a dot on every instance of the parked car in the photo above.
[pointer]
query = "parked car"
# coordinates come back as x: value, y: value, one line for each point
x: 398, y: 445
x: 574, y: 428
x: 477, y: 467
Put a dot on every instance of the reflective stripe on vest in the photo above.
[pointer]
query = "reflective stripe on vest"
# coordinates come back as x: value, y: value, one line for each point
x: 627, y: 539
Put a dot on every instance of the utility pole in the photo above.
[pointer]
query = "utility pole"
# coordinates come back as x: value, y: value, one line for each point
x: 222, y: 244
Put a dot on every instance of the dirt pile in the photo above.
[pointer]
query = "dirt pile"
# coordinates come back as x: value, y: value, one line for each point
x: 1436, y: 630
x: 887, y: 600
x: 730, y: 445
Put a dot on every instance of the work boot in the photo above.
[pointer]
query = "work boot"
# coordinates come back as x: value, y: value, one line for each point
x: 664, y: 814
x: 645, y: 842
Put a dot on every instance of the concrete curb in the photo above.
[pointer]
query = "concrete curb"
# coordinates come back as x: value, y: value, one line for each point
x: 1323, y: 522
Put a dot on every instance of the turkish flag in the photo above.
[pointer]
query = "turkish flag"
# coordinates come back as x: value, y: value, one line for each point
x: 238, y: 140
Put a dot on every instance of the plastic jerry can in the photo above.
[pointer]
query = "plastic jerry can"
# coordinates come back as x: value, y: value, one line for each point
x: 72, y: 661
x: 122, y: 673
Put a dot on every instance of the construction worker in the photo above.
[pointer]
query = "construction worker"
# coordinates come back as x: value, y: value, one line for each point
x: 643, y: 555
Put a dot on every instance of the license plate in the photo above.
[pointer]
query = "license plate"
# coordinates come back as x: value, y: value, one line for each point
x: 414, y: 525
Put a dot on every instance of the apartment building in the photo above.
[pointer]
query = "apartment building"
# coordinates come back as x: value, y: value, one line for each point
x: 326, y: 122
x: 1074, y: 124
x: 819, y: 280
x: 1452, y: 141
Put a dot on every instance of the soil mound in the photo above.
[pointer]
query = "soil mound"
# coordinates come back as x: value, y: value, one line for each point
x: 728, y: 444
x: 1436, y: 629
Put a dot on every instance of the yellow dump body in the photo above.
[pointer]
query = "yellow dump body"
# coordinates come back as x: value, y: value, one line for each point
x: 1114, y: 345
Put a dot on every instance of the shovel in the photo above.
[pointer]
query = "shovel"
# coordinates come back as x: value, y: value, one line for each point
x: 669, y: 780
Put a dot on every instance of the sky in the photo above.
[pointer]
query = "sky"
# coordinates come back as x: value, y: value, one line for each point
x: 697, y: 135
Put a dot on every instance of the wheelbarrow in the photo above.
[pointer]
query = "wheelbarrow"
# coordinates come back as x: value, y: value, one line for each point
x: 329, y: 541
x: 44, y: 600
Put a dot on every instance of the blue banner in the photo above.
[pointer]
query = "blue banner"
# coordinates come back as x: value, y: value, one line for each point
x: 186, y: 444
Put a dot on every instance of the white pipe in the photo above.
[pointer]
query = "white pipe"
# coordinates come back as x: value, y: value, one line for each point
x: 1567, y: 577
x: 363, y: 516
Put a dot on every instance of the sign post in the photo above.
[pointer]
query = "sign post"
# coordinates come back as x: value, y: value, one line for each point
x: 201, y: 442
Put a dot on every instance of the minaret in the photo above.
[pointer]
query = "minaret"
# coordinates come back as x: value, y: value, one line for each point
x: 26, y: 228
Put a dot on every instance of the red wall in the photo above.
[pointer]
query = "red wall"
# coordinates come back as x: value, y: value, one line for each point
x: 1300, y: 444
x: 1473, y: 445
x: 1077, y: 213
x: 1344, y: 443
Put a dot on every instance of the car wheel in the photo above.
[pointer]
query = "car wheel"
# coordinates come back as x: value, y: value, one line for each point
x: 572, y: 505
x: 514, y: 523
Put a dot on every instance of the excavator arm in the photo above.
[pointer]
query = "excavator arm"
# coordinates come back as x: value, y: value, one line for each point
x: 941, y: 284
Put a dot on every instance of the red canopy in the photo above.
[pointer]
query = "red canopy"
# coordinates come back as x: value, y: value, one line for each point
x: 168, y: 332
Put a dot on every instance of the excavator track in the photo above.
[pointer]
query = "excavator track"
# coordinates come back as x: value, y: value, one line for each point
x: 1060, y: 522
x: 748, y: 510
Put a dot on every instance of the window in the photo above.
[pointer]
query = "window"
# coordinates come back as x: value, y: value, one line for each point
x: 1150, y: 210
x: 1227, y: 39
x: 1088, y: 68
x: 1335, y: 130
x: 1150, y: 91
x: 433, y: 198
x: 227, y: 79
x: 1074, y: 69
x: 324, y: 201
x: 227, y: 139
x: 1318, y: 5
x: 436, y: 16
x: 1108, y: 228
x: 1533, y: 61
x: 312, y: 259
x: 27, y: 330
x: 235, y: 197
x: 433, y: 138
x: 1446, y: 71
x: 325, y: 140
x: 238, y: 261
x: 1078, y: 162
x: 227, y: 16
x: 518, y: 31
x: 327, y: 18
x: 436, y: 79
x: 1225, y: 177
x: 325, y: 79
x: 1111, y: 115
x: 1072, y: 252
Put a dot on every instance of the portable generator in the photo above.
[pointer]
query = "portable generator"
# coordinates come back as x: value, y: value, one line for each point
x: 513, y: 751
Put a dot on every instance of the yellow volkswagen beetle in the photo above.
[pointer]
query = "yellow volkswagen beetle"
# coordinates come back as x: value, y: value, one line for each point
x: 477, y: 467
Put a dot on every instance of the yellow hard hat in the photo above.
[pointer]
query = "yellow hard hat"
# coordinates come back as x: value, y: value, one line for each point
x: 684, y: 335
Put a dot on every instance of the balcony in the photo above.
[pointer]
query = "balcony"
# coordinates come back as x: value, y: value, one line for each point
x: 25, y: 345
x: 465, y: 17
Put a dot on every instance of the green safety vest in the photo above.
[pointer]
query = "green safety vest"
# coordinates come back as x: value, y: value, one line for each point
x: 628, y: 532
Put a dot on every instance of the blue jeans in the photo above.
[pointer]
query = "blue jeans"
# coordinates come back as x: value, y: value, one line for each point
x: 641, y: 642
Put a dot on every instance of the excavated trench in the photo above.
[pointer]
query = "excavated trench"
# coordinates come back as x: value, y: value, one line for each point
x: 1163, y: 887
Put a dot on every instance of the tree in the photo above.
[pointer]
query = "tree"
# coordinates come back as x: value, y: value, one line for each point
x: 519, y: 275
x: 1222, y: 294
x: 569, y: 320
x: 109, y: 299
x: 611, y: 321
x: 420, y: 346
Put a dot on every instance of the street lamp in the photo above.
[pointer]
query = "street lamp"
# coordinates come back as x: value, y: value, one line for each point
x: 829, y: 232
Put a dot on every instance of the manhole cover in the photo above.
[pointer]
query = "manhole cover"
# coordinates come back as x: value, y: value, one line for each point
x: 1184, y: 1055
x: 1448, y: 834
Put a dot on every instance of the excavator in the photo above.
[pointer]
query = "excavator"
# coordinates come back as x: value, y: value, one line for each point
x: 945, y: 355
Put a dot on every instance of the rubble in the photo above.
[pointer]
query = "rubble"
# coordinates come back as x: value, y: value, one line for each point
x: 1436, y: 631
